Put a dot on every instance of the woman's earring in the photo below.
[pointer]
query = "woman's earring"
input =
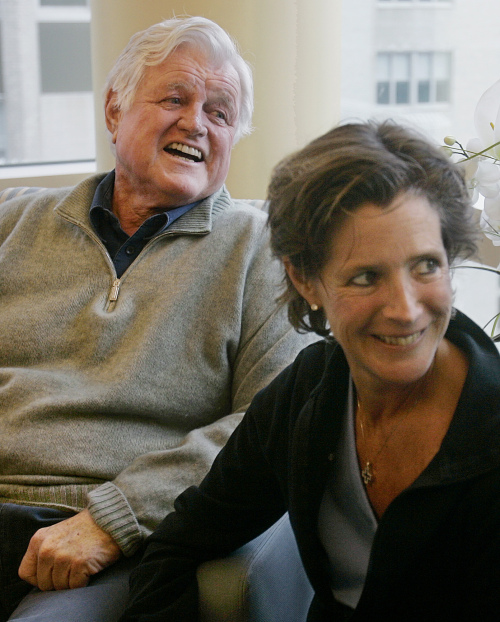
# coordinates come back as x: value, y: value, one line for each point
x: 314, y: 307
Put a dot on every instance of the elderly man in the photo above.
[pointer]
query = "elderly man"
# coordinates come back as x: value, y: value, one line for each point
x: 137, y: 320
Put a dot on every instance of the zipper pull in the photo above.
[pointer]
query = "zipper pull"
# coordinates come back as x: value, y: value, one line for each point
x: 115, y: 290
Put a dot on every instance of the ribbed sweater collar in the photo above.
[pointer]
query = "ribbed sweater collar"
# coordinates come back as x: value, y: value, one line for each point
x: 75, y: 205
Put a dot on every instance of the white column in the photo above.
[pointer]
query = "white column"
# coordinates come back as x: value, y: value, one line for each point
x: 294, y: 48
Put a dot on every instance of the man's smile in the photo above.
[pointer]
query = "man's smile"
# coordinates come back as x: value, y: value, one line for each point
x: 184, y: 151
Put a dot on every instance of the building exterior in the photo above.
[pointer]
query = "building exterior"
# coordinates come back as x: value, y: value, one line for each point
x: 423, y: 61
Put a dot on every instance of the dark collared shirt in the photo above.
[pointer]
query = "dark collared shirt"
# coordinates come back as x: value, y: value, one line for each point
x: 122, y: 248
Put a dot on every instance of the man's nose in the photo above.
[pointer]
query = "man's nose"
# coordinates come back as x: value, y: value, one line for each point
x: 192, y: 121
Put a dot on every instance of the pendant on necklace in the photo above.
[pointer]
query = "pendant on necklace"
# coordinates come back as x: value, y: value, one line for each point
x: 367, y: 473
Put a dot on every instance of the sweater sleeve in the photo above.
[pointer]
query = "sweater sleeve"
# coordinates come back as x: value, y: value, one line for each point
x: 131, y: 505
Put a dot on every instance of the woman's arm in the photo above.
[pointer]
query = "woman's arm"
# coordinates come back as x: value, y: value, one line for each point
x: 239, y: 498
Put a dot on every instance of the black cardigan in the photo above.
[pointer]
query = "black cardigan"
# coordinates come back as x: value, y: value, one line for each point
x: 436, y: 552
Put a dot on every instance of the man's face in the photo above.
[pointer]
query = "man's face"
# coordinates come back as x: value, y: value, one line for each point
x: 173, y: 145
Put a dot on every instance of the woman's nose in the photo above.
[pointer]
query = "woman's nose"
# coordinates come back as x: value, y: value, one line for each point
x: 402, y: 303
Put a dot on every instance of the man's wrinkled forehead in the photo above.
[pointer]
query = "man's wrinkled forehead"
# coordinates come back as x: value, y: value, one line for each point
x: 188, y: 68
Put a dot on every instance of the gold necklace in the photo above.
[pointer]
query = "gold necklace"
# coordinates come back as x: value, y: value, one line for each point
x: 367, y: 472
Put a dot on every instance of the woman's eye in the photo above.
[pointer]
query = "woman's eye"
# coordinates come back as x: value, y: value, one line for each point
x: 365, y: 279
x: 427, y: 266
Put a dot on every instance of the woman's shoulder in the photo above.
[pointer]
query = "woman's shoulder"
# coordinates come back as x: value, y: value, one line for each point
x: 296, y: 382
x: 479, y: 348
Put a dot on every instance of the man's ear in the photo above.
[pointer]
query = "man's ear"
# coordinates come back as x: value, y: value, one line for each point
x: 307, y: 288
x: 112, y: 113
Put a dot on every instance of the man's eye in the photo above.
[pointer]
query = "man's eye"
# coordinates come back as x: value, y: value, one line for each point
x: 364, y: 279
x: 220, y: 115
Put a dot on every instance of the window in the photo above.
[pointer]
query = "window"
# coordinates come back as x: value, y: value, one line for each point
x: 46, y: 99
x: 413, y: 77
x: 62, y: 49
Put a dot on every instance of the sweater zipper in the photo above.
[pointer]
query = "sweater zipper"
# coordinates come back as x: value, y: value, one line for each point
x: 115, y: 287
x: 113, y: 295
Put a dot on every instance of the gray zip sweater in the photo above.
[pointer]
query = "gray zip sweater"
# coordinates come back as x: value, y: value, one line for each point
x: 117, y: 394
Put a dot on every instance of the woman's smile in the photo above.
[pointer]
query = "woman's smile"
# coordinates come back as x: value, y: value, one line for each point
x: 406, y: 340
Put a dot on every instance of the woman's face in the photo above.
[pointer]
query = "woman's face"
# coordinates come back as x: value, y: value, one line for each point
x: 386, y: 290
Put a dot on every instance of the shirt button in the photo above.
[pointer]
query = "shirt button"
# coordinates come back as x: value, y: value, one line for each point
x: 130, y: 250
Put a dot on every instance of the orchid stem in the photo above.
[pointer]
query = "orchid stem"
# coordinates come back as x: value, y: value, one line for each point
x: 480, y: 153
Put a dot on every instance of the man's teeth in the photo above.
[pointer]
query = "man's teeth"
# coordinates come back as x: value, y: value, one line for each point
x: 400, y: 341
x: 196, y: 153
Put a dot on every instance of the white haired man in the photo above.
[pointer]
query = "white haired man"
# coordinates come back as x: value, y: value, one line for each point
x: 136, y: 325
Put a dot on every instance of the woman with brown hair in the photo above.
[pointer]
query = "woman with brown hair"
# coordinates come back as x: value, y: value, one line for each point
x: 382, y: 441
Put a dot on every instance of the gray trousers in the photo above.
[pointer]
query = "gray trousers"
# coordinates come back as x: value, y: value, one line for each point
x: 102, y: 600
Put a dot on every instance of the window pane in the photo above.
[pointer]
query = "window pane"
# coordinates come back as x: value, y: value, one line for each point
x: 442, y: 90
x: 401, y: 73
x: 424, y: 91
x: 383, y: 66
x: 402, y: 92
x: 442, y: 64
x: 383, y: 75
x: 422, y: 69
x: 401, y: 66
x: 383, y: 93
x: 47, y: 112
x: 65, y: 57
x: 423, y: 66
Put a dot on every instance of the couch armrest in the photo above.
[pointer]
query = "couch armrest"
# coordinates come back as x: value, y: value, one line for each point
x: 263, y: 581
x: 12, y: 193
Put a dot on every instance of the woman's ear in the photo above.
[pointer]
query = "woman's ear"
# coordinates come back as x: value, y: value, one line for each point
x: 112, y: 114
x: 307, y: 288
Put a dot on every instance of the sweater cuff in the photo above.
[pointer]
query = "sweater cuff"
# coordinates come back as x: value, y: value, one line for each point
x: 112, y: 512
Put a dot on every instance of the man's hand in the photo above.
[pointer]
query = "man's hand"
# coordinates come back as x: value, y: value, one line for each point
x: 68, y: 553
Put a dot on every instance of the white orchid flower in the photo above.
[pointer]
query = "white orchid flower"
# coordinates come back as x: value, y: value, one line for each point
x: 488, y: 179
x: 487, y: 119
x: 481, y: 175
x: 490, y: 219
x: 480, y: 159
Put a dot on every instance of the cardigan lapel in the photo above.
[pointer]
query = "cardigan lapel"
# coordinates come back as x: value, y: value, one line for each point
x: 314, y: 441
